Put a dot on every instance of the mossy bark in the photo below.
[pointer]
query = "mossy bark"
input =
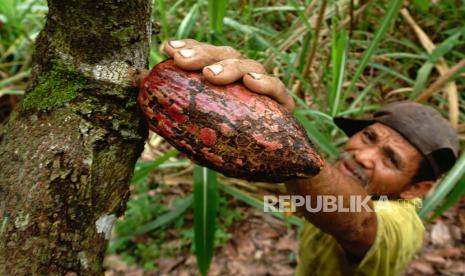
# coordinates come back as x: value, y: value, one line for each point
x: 68, y: 153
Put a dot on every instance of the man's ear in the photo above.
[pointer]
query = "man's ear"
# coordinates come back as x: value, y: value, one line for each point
x: 419, y: 189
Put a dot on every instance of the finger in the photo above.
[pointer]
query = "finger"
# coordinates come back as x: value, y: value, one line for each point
x: 194, y: 58
x: 190, y: 54
x: 269, y: 86
x: 231, y: 70
x: 172, y: 46
x: 199, y: 56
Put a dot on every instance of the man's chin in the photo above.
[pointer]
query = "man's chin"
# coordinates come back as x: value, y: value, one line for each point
x: 343, y: 169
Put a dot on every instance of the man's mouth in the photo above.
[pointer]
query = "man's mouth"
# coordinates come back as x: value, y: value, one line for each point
x: 354, y: 171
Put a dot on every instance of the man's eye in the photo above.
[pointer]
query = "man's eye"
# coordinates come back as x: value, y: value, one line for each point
x: 392, y: 162
x: 369, y: 136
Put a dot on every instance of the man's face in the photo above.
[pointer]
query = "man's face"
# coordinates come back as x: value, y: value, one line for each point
x: 379, y: 158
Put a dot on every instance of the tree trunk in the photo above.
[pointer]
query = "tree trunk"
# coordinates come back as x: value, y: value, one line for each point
x: 67, y: 153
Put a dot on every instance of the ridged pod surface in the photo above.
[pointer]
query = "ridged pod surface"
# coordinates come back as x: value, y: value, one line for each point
x: 226, y: 128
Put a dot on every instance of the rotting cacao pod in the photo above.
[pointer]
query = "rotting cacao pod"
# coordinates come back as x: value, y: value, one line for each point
x: 226, y: 128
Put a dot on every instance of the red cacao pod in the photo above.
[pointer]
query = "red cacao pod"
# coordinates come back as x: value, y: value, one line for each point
x: 226, y: 128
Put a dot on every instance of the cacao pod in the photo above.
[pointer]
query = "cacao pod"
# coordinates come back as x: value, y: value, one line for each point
x: 226, y: 128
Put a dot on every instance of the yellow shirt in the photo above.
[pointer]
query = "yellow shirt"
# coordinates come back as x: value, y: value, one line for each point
x: 399, y: 236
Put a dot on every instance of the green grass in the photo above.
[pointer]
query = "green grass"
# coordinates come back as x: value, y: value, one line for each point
x: 142, y: 236
x: 205, y: 210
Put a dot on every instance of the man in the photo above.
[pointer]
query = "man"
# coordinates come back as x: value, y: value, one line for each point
x: 398, y: 153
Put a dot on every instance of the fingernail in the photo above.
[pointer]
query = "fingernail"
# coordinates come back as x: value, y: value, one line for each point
x: 177, y: 43
x: 255, y: 75
x: 215, y: 69
x: 187, y: 53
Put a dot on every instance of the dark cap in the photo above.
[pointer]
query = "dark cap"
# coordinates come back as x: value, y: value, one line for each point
x: 422, y: 126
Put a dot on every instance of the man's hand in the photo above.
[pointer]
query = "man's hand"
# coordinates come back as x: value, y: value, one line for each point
x: 222, y: 65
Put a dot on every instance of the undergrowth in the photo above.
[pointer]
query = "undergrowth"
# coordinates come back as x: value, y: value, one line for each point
x: 147, y: 203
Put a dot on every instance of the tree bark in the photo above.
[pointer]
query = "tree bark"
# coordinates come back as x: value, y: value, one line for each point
x: 68, y: 152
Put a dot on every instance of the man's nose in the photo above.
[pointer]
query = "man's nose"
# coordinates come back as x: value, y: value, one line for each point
x: 366, y: 157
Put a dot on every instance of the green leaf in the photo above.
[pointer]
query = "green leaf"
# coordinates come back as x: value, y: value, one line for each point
x: 8, y: 9
x: 359, y: 100
x: 446, y: 46
x: 422, y: 78
x: 187, y: 24
x: 178, y: 209
x: 456, y: 173
x: 393, y: 8
x: 422, y: 4
x: 174, y: 8
x: 425, y: 71
x: 220, y: 15
x: 316, y: 136
x: 18, y: 92
x: 338, y: 56
x: 455, y: 195
x: 160, y: 4
x: 141, y: 172
x: 300, y: 12
x: 212, y: 7
x: 15, y: 78
x: 391, y: 72
x: 155, y: 58
x: 205, y: 206
x: 247, y: 29
x: 216, y: 12
x: 262, y: 10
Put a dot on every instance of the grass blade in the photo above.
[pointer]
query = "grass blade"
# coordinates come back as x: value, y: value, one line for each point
x: 317, y: 137
x: 392, y: 72
x: 447, y: 45
x: 181, y: 206
x: 212, y: 7
x: 422, y: 4
x: 155, y: 57
x: 174, y: 7
x: 205, y: 205
x: 263, y: 10
x: 394, y: 7
x: 187, y: 24
x: 248, y: 199
x: 338, y: 56
x: 422, y: 78
x: 220, y: 13
x: 435, y: 57
x: 164, y: 21
x: 18, y: 92
x: 247, y: 29
x: 362, y: 95
x: 454, y: 197
x: 141, y: 172
x: 451, y: 73
x: 456, y: 173
x: 216, y: 13
x: 14, y: 78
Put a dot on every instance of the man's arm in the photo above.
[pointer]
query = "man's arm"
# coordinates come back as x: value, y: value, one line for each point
x: 221, y: 65
x: 355, y: 231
